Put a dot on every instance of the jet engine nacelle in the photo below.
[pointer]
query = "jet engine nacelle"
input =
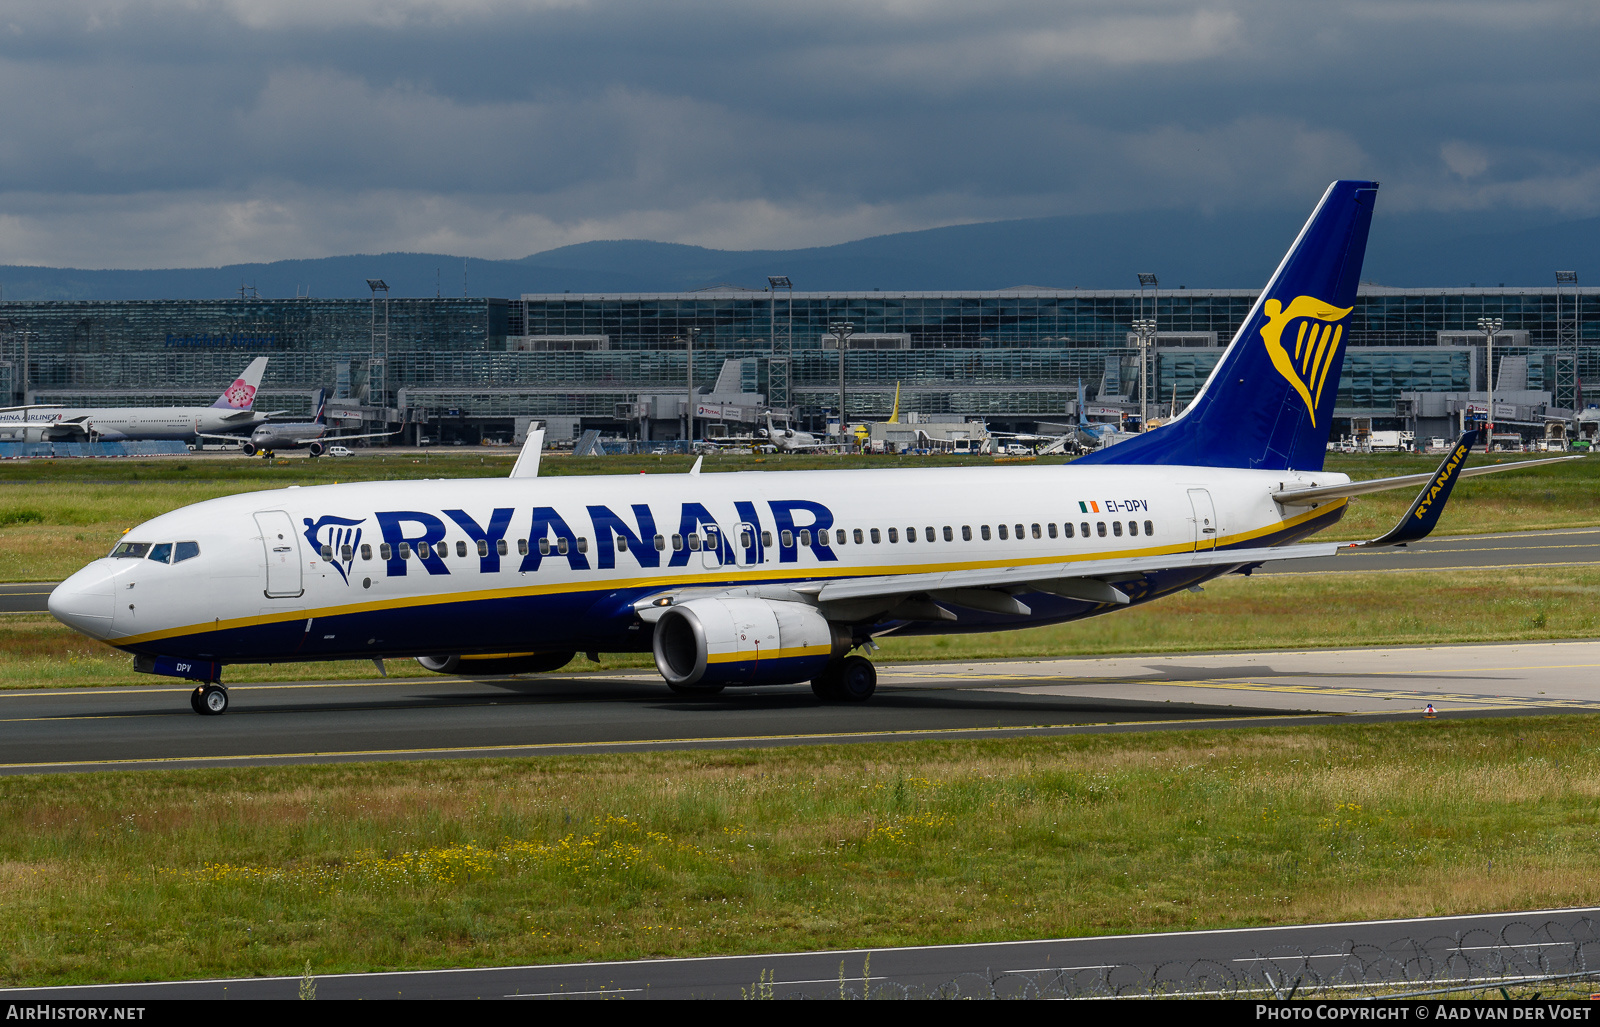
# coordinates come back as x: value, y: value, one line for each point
x: 315, y: 449
x: 496, y: 664
x: 739, y: 640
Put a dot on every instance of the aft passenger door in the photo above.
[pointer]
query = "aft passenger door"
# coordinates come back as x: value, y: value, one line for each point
x: 282, y: 546
x: 1205, y: 520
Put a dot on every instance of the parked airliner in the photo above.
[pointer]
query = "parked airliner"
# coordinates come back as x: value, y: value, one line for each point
x: 313, y: 434
x: 233, y: 410
x: 759, y: 578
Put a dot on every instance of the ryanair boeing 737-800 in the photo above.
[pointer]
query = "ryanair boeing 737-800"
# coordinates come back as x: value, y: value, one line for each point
x: 756, y: 578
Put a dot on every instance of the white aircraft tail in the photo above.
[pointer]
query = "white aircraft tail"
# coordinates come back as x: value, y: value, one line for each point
x: 241, y: 395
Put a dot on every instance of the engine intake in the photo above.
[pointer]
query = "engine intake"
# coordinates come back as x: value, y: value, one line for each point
x: 744, y: 641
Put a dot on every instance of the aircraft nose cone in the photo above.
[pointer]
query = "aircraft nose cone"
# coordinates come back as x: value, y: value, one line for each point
x: 84, y: 601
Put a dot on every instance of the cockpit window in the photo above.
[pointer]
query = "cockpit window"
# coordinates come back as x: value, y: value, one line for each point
x: 130, y: 550
x: 161, y: 552
x: 187, y: 551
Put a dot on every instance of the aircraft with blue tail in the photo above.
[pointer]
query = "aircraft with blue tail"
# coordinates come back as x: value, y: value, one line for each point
x: 761, y: 578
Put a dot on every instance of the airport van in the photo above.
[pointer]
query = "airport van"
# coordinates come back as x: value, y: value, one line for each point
x: 339, y: 451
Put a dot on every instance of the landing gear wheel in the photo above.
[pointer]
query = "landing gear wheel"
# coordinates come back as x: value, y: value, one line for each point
x: 212, y: 700
x: 858, y: 679
x: 194, y: 701
x: 826, y: 686
x: 694, y: 689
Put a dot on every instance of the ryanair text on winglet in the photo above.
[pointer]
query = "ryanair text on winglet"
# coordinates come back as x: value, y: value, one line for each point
x: 1444, y: 477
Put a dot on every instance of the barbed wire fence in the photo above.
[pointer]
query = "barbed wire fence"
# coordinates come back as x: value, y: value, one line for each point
x: 1524, y: 959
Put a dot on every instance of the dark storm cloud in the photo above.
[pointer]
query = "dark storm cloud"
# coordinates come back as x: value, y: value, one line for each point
x: 190, y: 131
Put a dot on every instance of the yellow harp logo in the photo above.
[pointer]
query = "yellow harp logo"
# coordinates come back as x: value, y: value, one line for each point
x: 1316, y: 344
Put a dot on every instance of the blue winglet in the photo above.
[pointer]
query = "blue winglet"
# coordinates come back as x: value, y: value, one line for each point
x: 1269, y: 403
x: 1419, y: 521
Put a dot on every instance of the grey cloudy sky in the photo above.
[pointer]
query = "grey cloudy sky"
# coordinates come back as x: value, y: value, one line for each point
x: 160, y: 133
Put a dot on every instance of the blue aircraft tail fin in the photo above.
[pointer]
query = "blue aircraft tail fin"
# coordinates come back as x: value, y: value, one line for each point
x: 1269, y: 402
x: 322, y: 407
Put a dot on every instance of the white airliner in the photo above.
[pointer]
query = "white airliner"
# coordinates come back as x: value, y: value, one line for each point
x: 760, y: 578
x: 789, y: 440
x: 234, y: 410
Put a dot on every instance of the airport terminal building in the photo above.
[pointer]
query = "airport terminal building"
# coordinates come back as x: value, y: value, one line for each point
x: 470, y: 368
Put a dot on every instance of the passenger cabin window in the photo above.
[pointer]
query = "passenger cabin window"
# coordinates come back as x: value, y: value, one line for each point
x: 461, y: 548
x: 1052, y: 529
x: 327, y: 553
x: 911, y: 534
x: 405, y: 550
x: 621, y: 542
x: 677, y: 543
x: 1066, y: 529
x: 1100, y: 529
x: 345, y: 552
x: 366, y: 551
x: 661, y: 543
x: 694, y: 543
x: 522, y: 547
x: 500, y: 546
x: 766, y: 540
x: 424, y: 551
x: 876, y: 538
x: 561, y: 546
x: 1003, y: 535
x: 805, y: 536
x: 483, y: 547
x: 1149, y: 528
x: 1084, y: 527
x: 1133, y: 527
x: 745, y: 539
x: 1019, y: 532
x: 949, y: 533
x: 838, y: 536
x: 929, y: 535
x: 787, y: 537
x: 1036, y: 532
x: 131, y: 550
x: 966, y: 533
x: 894, y: 534
x: 544, y: 547
x: 984, y: 531
x: 857, y: 534
x: 1116, y: 528
x: 386, y: 552
x: 190, y: 550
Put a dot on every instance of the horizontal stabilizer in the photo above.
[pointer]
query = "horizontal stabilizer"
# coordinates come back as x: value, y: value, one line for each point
x: 1305, y: 497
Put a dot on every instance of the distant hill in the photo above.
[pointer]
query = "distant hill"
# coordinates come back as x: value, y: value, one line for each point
x: 1087, y: 251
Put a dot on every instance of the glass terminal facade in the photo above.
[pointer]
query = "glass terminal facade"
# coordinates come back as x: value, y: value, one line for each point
x: 591, y: 360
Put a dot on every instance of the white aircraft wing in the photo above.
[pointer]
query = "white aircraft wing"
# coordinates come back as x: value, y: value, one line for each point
x: 229, y: 438
x: 32, y: 406
x: 991, y: 588
x: 351, y: 438
x: 238, y: 415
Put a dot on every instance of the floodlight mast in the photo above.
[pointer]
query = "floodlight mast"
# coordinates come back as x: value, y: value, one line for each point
x: 1146, y: 336
x: 841, y: 330
x: 378, y: 285
x: 1491, y: 327
x: 778, y: 362
x: 688, y: 410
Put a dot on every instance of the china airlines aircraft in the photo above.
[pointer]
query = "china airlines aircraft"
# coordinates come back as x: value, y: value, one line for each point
x: 232, y: 411
x: 759, y: 578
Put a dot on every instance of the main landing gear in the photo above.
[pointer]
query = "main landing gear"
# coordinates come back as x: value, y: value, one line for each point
x: 209, y: 700
x: 853, y: 680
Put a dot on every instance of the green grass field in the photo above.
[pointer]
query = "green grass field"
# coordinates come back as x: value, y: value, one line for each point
x: 56, y: 516
x: 186, y: 874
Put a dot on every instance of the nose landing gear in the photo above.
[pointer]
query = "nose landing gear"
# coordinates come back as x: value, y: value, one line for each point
x: 209, y: 700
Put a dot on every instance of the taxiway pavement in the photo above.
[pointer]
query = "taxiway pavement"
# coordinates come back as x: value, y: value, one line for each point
x: 63, y: 730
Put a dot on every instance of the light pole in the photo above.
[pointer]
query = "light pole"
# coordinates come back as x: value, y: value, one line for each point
x: 1491, y: 327
x: 841, y: 330
x: 1145, y: 331
x: 688, y: 410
